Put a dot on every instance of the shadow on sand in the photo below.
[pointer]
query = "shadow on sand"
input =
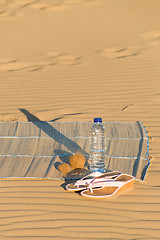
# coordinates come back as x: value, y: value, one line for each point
x: 53, y: 133
x: 72, y: 146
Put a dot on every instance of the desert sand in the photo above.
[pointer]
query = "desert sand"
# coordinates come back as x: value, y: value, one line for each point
x: 74, y: 60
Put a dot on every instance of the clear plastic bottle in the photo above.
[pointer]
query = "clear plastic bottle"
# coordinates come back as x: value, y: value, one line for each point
x: 97, y: 146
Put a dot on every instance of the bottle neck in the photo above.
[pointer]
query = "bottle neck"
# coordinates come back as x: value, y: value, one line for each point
x: 98, y: 123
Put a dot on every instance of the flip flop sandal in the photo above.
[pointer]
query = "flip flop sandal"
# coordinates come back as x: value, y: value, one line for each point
x: 108, y: 188
x: 82, y: 183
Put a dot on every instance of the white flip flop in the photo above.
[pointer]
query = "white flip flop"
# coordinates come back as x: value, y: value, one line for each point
x: 108, y: 188
x: 94, y: 177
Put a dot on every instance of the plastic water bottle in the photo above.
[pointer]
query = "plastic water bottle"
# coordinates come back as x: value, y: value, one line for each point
x: 97, y: 146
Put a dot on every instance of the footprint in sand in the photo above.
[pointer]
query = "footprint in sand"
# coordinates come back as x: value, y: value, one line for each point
x: 119, y: 52
x: 5, y: 13
x: 20, y: 4
x: 10, y: 9
x: 2, y: 8
x: 8, y: 65
x: 151, y: 37
x: 68, y: 60
x: 63, y: 59
x: 37, y: 5
x: 60, y: 5
x: 48, y: 6
x: 6, y: 60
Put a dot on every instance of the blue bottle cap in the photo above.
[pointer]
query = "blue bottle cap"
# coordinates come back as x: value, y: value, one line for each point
x: 98, y: 120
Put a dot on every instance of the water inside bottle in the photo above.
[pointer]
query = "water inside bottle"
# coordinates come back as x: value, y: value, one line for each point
x: 97, y: 148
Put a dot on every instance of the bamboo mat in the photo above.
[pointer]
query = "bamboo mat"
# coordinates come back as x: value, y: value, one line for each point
x: 30, y: 149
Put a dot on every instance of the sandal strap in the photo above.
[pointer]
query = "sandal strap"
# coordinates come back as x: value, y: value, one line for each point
x: 107, y: 183
x: 82, y: 181
x: 110, y: 182
x: 106, y: 176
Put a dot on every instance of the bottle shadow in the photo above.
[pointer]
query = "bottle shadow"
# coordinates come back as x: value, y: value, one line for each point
x: 53, y: 133
x: 72, y: 146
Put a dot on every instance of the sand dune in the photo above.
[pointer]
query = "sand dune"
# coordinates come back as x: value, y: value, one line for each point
x: 75, y: 60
